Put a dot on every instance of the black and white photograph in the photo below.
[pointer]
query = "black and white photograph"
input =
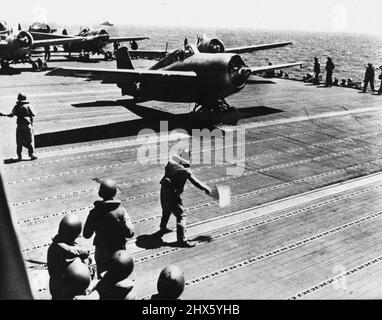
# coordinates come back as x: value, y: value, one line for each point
x: 191, y: 150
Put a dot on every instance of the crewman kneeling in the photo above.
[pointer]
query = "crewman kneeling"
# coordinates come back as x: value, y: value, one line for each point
x: 110, y: 223
x: 170, y: 284
x: 62, y: 253
x: 115, y: 283
x: 177, y: 172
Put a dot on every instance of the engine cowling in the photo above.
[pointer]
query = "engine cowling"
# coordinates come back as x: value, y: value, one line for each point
x: 207, y: 45
x: 103, y: 36
x: 24, y: 40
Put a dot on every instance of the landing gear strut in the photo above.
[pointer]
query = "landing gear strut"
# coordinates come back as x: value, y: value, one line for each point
x: 215, y: 112
x: 218, y: 105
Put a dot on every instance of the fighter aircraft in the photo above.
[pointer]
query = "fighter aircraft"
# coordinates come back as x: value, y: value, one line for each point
x: 15, y: 48
x: 182, y: 76
x: 95, y: 40
x: 211, y: 45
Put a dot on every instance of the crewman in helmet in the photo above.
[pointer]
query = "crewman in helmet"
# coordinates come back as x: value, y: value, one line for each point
x: 110, y: 223
x: 61, y: 253
x: 170, y: 284
x: 77, y: 279
x: 115, y: 283
x: 177, y: 172
x: 24, y: 131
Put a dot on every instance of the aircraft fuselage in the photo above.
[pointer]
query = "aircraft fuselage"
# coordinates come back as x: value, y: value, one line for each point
x: 218, y: 76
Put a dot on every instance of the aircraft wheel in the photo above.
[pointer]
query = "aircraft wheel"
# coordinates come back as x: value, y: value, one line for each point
x: 39, y: 63
x: 134, y: 45
x: 34, y: 65
x: 4, y: 65
x: 108, y: 55
x: 86, y: 57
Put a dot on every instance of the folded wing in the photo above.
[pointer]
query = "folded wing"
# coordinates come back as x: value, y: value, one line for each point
x: 255, y: 70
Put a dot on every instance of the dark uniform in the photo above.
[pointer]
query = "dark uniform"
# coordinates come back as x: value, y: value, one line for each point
x: 108, y: 289
x: 24, y: 130
x: 172, y: 186
x: 380, y: 77
x: 369, y: 77
x: 61, y: 253
x: 112, y: 226
x: 329, y: 72
x: 317, y: 70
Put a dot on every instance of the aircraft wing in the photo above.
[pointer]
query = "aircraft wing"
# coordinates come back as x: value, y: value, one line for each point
x: 121, y: 39
x: 125, y: 75
x: 49, y: 36
x: 257, y: 47
x: 52, y: 42
x: 275, y: 67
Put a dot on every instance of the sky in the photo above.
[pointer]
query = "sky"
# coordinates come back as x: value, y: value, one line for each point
x: 354, y: 16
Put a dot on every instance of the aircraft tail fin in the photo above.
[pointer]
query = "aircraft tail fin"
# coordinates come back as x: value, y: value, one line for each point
x: 123, y: 59
x: 65, y: 32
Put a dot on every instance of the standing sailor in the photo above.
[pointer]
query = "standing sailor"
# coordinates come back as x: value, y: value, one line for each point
x: 110, y: 223
x: 329, y: 72
x: 317, y: 70
x: 177, y: 172
x: 369, y: 77
x: 24, y: 131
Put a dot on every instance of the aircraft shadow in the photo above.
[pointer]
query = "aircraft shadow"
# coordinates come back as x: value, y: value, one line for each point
x: 150, y: 119
x: 13, y: 71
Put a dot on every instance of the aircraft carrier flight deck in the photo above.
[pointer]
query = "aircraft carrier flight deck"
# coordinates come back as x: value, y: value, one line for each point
x: 305, y: 219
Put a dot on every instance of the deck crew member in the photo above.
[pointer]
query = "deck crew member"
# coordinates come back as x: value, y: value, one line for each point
x: 170, y: 285
x: 369, y: 77
x: 61, y: 253
x: 329, y: 72
x: 380, y: 77
x: 116, y: 283
x: 316, y: 70
x: 110, y: 223
x: 177, y: 172
x: 24, y: 131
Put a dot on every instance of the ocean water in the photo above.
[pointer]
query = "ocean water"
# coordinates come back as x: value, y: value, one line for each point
x: 350, y: 52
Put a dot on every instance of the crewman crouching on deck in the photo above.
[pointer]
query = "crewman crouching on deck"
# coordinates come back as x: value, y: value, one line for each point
x: 115, y: 283
x: 177, y: 172
x: 65, y: 283
x: 24, y: 131
x: 110, y: 223
x: 170, y: 284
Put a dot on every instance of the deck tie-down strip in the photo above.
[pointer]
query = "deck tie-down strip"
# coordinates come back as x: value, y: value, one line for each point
x: 69, y: 194
x: 39, y: 219
x: 336, y: 278
x: 239, y: 229
x: 298, y: 211
x: 270, y: 254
